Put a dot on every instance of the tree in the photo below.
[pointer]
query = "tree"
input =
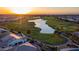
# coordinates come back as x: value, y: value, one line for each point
x: 28, y: 31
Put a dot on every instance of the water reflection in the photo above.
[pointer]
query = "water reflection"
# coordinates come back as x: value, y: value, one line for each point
x: 40, y: 23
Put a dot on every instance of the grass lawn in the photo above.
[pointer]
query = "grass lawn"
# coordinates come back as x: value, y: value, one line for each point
x: 48, y: 38
x: 35, y: 32
x: 61, y: 25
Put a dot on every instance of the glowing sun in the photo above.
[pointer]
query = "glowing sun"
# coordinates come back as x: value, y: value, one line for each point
x: 19, y: 10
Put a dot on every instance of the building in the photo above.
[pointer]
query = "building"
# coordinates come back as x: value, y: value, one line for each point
x: 12, y: 42
x: 72, y: 18
x: 8, y: 18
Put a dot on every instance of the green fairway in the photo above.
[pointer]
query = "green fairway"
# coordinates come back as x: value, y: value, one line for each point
x: 61, y: 25
x: 35, y: 32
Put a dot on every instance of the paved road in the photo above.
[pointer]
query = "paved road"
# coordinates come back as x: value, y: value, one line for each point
x: 69, y: 40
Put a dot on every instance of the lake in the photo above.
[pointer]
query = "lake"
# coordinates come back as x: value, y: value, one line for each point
x: 40, y: 23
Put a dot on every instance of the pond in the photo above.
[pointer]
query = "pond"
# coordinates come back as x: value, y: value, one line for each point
x: 40, y: 23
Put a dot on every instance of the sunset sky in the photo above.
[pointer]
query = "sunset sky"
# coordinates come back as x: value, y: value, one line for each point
x: 40, y: 10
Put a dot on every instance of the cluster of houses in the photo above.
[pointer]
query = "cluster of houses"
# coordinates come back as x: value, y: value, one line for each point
x: 8, y: 18
x: 15, y: 42
x: 12, y: 18
x: 72, y: 18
